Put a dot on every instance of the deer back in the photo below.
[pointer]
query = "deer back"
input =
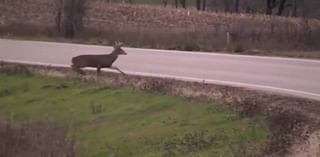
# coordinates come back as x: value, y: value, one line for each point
x: 94, y: 60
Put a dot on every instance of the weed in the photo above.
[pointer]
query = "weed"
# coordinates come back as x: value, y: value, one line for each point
x: 287, y: 124
x: 96, y: 108
x: 5, y: 92
x: 189, y: 142
x: 20, y: 70
x: 59, y: 86
x: 249, y: 107
x: 239, y: 49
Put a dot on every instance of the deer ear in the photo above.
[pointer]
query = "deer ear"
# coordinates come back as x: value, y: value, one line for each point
x: 115, y: 44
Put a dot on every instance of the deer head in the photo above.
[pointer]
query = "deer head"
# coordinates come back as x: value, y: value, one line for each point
x: 117, y: 48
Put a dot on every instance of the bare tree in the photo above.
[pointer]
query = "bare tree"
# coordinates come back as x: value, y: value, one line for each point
x: 59, y: 9
x: 201, y: 5
x: 204, y: 5
x: 236, y: 6
x: 227, y: 6
x: 294, y: 10
x: 271, y: 4
x: 127, y: 1
x: 165, y: 3
x: 212, y: 4
x: 282, y: 5
x: 121, y: 1
x: 73, y: 13
x: 183, y: 3
x: 198, y: 4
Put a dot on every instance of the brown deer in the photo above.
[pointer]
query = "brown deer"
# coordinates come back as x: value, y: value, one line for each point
x: 98, y: 61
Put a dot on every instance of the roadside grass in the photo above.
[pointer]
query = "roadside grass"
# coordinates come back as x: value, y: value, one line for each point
x: 113, y: 121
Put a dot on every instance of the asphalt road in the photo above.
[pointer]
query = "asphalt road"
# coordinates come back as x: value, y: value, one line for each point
x: 298, y: 77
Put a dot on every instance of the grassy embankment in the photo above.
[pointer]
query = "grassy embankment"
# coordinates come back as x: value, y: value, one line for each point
x: 114, y: 121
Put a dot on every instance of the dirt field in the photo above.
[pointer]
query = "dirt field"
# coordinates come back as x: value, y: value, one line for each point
x: 167, y: 28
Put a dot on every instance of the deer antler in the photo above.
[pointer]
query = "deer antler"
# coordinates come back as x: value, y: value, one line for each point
x: 118, y: 44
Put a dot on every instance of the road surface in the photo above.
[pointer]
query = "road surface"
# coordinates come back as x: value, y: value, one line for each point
x: 298, y: 77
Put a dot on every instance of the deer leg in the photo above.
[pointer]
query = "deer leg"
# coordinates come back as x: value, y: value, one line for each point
x: 98, y: 70
x: 77, y: 69
x: 80, y: 71
x: 116, y: 68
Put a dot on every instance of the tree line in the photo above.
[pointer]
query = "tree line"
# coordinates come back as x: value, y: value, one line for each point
x: 70, y: 12
x: 269, y: 7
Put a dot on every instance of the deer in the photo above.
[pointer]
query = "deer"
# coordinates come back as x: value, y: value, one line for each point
x: 98, y: 61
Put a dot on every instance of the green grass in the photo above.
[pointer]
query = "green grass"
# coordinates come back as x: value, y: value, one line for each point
x: 110, y: 121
